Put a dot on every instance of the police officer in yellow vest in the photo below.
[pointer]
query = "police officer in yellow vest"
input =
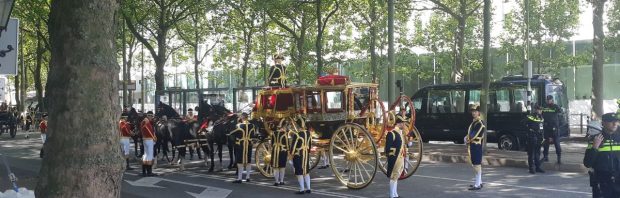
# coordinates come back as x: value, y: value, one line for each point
x: 603, y: 156
x: 243, y: 147
x: 395, y: 150
x: 475, y: 134
x: 300, y: 148
x: 277, y: 73
x: 534, y: 123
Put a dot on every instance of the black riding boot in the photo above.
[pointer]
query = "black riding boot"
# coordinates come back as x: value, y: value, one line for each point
x: 559, y: 159
x: 144, y: 170
x: 191, y: 153
x: 150, y: 171
x: 128, y: 167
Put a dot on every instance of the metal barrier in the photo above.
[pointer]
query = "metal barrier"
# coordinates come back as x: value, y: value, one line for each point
x: 579, y: 118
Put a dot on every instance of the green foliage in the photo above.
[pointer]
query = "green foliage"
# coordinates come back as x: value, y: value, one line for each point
x: 550, y: 24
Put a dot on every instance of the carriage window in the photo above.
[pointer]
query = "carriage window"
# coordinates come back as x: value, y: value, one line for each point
x: 360, y: 97
x: 284, y: 101
x: 334, y: 100
x: 314, y: 101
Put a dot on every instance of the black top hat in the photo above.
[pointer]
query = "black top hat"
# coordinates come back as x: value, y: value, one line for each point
x: 149, y: 113
x: 474, y: 107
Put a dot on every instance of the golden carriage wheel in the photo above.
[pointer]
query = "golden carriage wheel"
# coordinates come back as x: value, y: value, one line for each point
x: 353, y: 156
x: 413, y: 152
x: 375, y: 117
x: 262, y: 158
x: 315, y: 156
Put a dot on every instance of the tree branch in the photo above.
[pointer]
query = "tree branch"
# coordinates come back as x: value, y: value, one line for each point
x: 444, y: 8
x: 330, y: 15
x: 140, y: 38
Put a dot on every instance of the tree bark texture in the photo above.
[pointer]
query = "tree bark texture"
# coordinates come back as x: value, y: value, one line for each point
x: 82, y: 153
x: 38, y: 85
x: 599, y: 58
x: 391, y: 58
x: 373, y: 40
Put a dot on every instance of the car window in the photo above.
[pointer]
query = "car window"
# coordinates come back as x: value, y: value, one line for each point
x: 520, y: 99
x: 446, y: 101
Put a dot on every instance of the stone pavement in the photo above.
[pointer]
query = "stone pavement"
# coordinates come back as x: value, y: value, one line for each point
x: 573, y: 150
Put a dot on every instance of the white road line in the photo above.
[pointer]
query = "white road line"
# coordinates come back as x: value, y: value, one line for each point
x: 265, y: 184
x: 500, y: 184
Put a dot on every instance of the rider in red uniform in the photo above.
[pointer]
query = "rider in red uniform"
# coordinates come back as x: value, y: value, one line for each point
x: 125, y: 132
x: 149, y: 138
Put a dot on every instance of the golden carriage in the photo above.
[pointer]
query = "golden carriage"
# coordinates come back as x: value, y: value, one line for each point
x: 347, y: 124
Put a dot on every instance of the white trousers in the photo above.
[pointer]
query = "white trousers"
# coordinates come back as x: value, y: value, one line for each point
x: 43, y: 137
x: 125, y: 146
x: 148, y: 150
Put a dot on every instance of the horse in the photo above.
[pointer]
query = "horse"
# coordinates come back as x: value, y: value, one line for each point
x: 226, y: 122
x: 135, y: 119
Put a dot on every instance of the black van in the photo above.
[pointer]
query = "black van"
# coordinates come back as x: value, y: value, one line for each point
x: 442, y: 110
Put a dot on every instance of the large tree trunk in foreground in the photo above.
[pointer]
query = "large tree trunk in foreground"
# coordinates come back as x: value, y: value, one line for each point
x: 82, y: 153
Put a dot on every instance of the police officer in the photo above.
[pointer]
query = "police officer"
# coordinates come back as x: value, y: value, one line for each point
x: 551, y: 114
x: 300, y: 148
x: 148, y: 138
x: 395, y: 150
x: 603, y: 156
x: 534, y: 124
x: 279, y: 154
x: 243, y: 147
x: 277, y: 73
x: 618, y: 111
x: 125, y: 132
x: 475, y: 133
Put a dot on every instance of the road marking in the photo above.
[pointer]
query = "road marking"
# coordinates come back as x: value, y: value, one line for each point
x: 208, y: 192
x: 265, y: 184
x: 510, y: 185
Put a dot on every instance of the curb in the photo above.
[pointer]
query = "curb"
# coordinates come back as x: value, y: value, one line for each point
x: 504, y: 162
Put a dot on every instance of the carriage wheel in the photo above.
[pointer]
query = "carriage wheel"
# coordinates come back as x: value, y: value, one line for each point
x: 413, y: 156
x: 353, y: 156
x: 262, y: 158
x: 375, y: 117
x: 315, y: 156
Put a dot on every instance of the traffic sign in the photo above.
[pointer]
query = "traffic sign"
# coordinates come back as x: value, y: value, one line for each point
x: 8, y: 48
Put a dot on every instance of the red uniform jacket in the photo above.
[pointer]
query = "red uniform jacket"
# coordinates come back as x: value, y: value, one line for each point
x: 147, y: 130
x: 124, y: 128
x: 43, y: 126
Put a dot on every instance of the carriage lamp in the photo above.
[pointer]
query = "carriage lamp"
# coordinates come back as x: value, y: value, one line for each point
x: 6, y: 6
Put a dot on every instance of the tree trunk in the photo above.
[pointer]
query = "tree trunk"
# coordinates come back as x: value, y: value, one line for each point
x: 373, y: 40
x: 124, y: 46
x: 486, y: 64
x: 17, y: 100
x: 38, y: 85
x: 457, y: 70
x: 247, y: 37
x: 391, y: 59
x: 319, y: 39
x: 82, y: 153
x: 599, y: 58
x: 160, y: 60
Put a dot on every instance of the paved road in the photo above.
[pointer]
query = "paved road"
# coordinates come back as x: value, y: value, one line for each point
x: 433, y: 179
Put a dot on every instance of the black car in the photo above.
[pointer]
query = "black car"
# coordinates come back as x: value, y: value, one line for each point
x: 442, y: 110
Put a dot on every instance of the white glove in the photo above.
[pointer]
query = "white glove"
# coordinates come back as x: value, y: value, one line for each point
x: 409, y: 144
x: 465, y: 139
